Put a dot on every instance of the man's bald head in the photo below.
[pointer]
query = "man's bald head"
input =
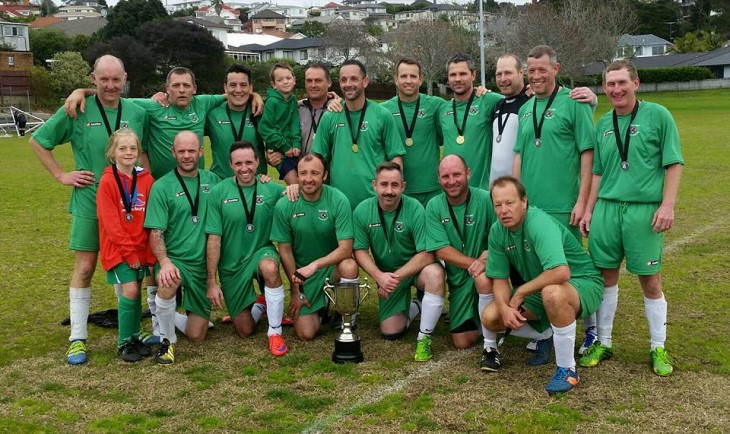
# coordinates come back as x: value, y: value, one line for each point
x: 187, y: 152
x: 109, y: 78
x: 453, y: 161
x: 186, y: 137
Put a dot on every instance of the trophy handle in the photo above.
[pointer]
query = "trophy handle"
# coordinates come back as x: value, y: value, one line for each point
x: 366, y: 287
x: 327, y: 289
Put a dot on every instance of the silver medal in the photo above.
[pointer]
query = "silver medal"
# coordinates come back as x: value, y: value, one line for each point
x: 499, y: 138
x: 195, y: 219
x: 625, y: 166
x: 128, y: 217
x: 249, y: 227
x: 538, y: 142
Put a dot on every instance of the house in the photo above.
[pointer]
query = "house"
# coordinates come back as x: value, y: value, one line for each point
x: 42, y: 22
x: 292, y: 12
x: 302, y: 51
x: 172, y: 6
x: 717, y: 61
x: 215, y: 25
x: 15, y: 35
x: 384, y: 21
x: 86, y: 26
x: 296, y: 25
x: 642, y: 46
x: 267, y: 20
x: 21, y: 9
x: 77, y: 12
x: 227, y: 12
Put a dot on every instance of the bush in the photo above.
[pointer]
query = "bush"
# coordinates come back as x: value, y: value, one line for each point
x: 657, y: 75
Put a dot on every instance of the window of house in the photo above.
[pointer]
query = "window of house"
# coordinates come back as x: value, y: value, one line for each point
x: 288, y: 54
x: 657, y: 50
x: 303, y: 54
x: 11, y: 61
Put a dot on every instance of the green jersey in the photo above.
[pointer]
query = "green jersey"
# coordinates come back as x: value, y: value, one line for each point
x: 166, y: 122
x: 89, y: 140
x: 227, y: 218
x: 352, y: 167
x: 477, y: 134
x: 421, y: 160
x: 169, y: 210
x: 464, y: 227
x: 394, y: 239
x: 540, y: 244
x: 313, y: 228
x: 551, y: 171
x: 219, y: 126
x: 654, y: 145
x: 280, y: 122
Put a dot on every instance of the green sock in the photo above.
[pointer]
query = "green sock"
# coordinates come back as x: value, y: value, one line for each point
x: 138, y: 314
x: 126, y: 318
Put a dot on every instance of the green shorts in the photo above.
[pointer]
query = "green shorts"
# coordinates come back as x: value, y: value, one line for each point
x: 237, y: 287
x: 564, y: 219
x: 399, y: 301
x: 84, y: 234
x: 314, y: 292
x: 623, y: 229
x: 424, y: 197
x: 123, y: 273
x: 193, y: 286
x: 463, y: 304
x: 590, y: 292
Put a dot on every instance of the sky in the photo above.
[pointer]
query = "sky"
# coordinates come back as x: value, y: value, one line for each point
x: 309, y: 3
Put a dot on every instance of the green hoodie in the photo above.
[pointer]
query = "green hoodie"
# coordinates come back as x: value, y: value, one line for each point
x: 279, y: 125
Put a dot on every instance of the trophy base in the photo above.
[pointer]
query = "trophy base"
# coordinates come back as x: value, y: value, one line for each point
x: 347, y: 352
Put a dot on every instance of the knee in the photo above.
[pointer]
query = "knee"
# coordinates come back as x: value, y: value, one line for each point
x: 432, y: 273
x: 244, y: 332
x: 196, y: 336
x: 651, y: 285
x: 305, y: 333
x: 269, y: 269
x: 348, y: 268
x: 552, y: 295
x: 166, y: 293
x: 462, y: 344
x: 491, y: 318
x: 483, y: 284
x: 85, y: 270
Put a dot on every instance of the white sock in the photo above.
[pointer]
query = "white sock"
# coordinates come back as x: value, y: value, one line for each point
x: 490, y: 337
x: 166, y: 318
x: 526, y: 331
x: 564, y: 341
x: 274, y: 308
x: 656, y: 315
x: 118, y: 290
x: 181, y: 322
x: 151, y: 293
x: 413, y: 310
x: 589, y: 322
x: 431, y: 308
x: 355, y: 280
x: 605, y: 315
x: 257, y: 311
x: 79, y: 302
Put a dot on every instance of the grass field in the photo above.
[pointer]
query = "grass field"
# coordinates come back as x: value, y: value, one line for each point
x: 233, y: 385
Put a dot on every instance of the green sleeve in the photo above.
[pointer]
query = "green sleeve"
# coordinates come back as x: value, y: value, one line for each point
x: 323, y: 138
x: 269, y: 127
x: 436, y: 237
x: 214, y: 217
x: 295, y: 126
x: 360, y: 226
x: 419, y: 227
x: 547, y: 239
x: 597, y: 162
x: 343, y: 217
x: 671, y: 148
x: 157, y: 209
x: 281, y: 229
x: 206, y: 103
x: 584, y: 130
x: 148, y: 104
x: 497, y: 263
x: 55, y: 131
x: 393, y: 143
x: 489, y: 103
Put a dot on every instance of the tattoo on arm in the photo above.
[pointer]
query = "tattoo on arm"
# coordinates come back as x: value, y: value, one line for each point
x: 157, y: 242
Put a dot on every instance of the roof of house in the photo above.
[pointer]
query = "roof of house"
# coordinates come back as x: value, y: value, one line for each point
x: 241, y: 39
x: 331, y: 5
x: 211, y: 8
x: 268, y: 13
x: 641, y: 40
x: 41, y: 22
x: 711, y: 58
x: 324, y: 20
x: 715, y: 58
x: 286, y: 44
x: 84, y: 26
x: 208, y: 22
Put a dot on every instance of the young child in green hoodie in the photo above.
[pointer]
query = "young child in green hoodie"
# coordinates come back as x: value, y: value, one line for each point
x: 279, y: 125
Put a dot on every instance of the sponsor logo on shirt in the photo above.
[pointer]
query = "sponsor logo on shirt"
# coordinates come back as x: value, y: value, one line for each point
x: 323, y: 214
x: 249, y: 123
x: 373, y: 225
x: 224, y: 122
x: 180, y: 193
x: 298, y: 214
x: 93, y: 124
x: 340, y: 125
x: 445, y: 220
x: 171, y: 118
x: 511, y: 247
x: 526, y: 115
x: 230, y: 200
x: 652, y: 263
x: 449, y: 113
x: 607, y: 133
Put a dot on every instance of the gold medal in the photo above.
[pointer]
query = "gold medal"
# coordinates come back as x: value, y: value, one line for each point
x: 460, y: 140
x: 355, y: 148
x: 409, y: 141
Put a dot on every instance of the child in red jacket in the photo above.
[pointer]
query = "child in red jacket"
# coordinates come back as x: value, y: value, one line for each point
x: 121, y: 201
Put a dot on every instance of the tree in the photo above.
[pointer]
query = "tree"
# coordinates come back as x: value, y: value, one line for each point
x: 69, y: 71
x: 46, y: 42
x: 185, y: 12
x: 432, y: 43
x: 128, y: 15
x: 138, y: 62
x: 217, y: 6
x: 48, y: 8
x: 175, y: 43
x: 313, y: 28
x: 349, y: 40
x: 693, y: 42
x: 661, y: 18
x: 42, y: 88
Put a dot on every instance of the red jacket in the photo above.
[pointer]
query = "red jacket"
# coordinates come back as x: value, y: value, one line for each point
x: 120, y: 240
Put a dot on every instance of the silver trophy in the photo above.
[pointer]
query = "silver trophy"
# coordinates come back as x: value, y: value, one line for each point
x: 346, y: 299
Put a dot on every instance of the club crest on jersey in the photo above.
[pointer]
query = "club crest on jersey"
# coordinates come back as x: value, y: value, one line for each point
x: 549, y: 113
x: 473, y: 110
x: 421, y: 113
x: 124, y: 125
x: 323, y: 214
x: 259, y: 199
x: 231, y: 200
x: 469, y: 220
x: 93, y: 124
x: 364, y: 126
x: 633, y: 130
x: 399, y: 226
x: 205, y: 188
x: 193, y: 117
x: 527, y: 246
x: 249, y: 123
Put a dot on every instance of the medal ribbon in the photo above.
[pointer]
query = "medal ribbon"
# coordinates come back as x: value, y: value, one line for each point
x: 127, y: 198
x: 356, y: 136
x: 538, y: 127
x: 453, y: 218
x: 237, y: 135
x: 500, y: 123
x: 105, y: 119
x: 193, y: 204
x: 623, y: 148
x: 466, y: 114
x: 249, y: 213
x: 409, y: 130
x: 389, y: 233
